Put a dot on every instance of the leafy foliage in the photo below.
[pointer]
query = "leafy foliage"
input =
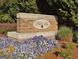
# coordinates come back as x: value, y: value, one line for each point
x: 6, y: 18
x: 64, y: 32
x: 67, y: 9
x: 67, y: 53
x: 12, y: 7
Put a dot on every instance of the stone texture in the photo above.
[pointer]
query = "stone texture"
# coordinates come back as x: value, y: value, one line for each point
x: 25, y: 22
x: 22, y: 36
x: 26, y: 29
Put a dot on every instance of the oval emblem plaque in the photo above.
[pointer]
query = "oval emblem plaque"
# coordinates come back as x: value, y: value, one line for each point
x: 41, y: 24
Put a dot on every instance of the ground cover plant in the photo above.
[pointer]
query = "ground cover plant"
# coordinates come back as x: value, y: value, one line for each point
x: 27, y: 49
x: 67, y: 53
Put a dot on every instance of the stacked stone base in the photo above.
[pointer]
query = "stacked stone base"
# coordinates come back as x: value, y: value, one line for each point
x: 22, y: 36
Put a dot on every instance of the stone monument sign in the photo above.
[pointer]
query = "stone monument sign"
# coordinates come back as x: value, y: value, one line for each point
x: 29, y: 25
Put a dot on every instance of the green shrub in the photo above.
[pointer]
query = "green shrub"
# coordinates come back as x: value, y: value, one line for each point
x: 64, y: 32
x: 5, y: 18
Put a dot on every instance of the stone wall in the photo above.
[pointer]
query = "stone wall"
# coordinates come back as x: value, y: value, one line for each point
x: 28, y: 27
x: 8, y: 26
x: 25, y: 23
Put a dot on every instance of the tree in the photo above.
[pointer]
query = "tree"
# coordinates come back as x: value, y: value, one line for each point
x: 12, y: 7
x: 65, y: 10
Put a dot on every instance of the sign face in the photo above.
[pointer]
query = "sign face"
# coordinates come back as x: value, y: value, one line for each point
x: 41, y: 24
x: 35, y: 23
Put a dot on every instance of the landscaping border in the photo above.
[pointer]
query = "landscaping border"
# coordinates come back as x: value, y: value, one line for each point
x: 8, y: 26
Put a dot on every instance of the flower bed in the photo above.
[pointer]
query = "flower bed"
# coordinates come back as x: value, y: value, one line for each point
x: 27, y: 49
